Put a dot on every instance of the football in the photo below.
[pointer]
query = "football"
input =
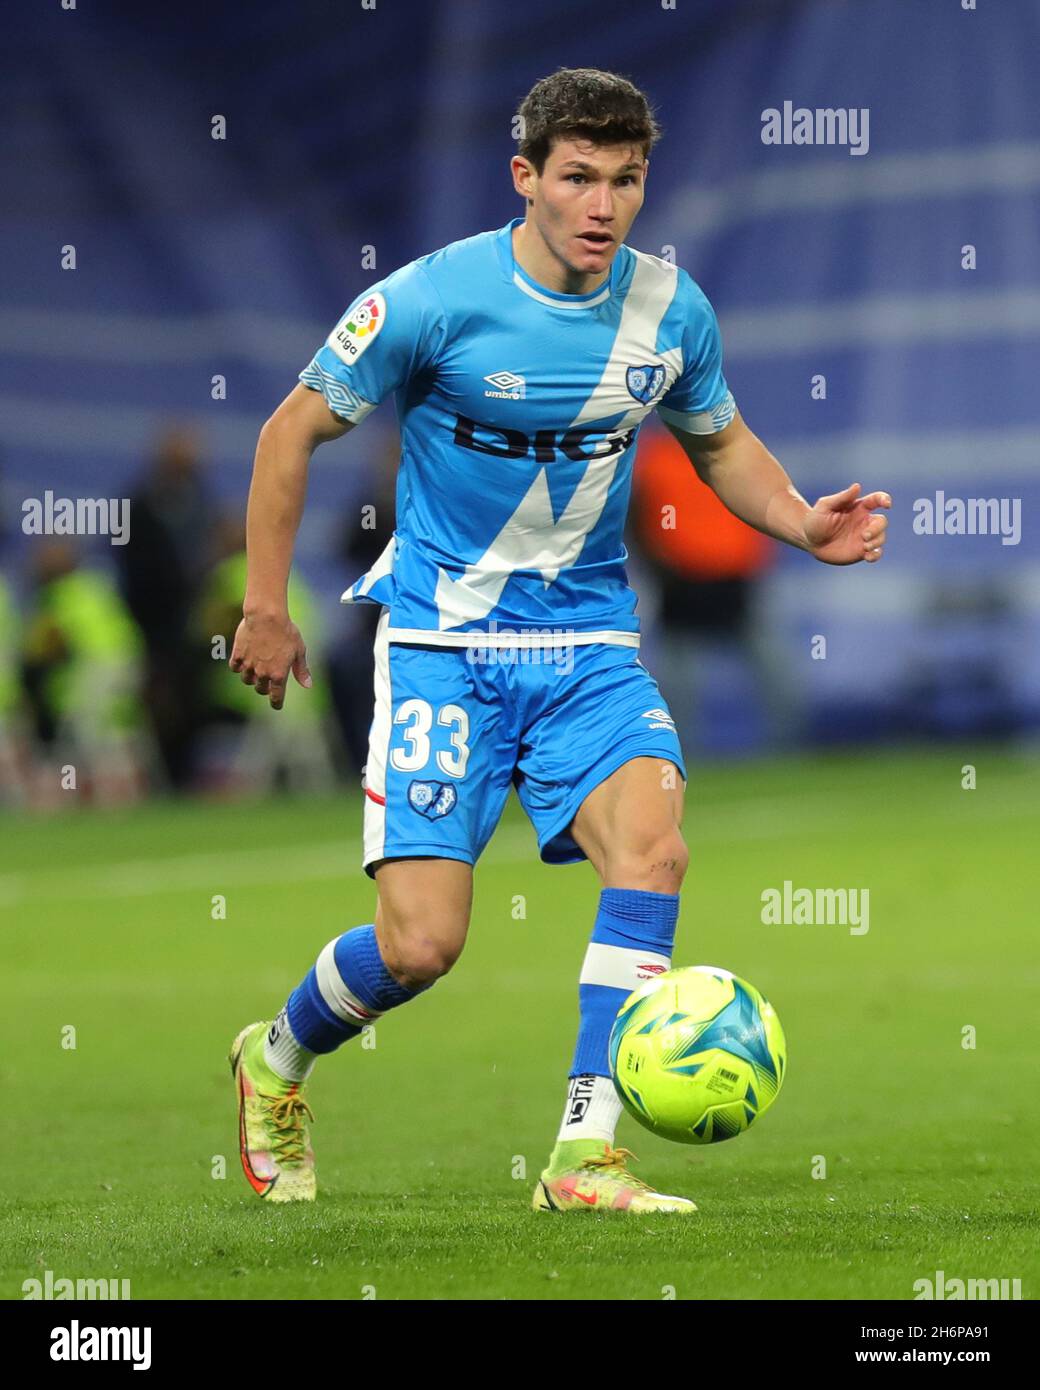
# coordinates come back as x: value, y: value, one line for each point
x: 697, y: 1054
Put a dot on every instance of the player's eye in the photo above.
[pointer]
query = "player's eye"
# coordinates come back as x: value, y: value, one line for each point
x: 576, y: 176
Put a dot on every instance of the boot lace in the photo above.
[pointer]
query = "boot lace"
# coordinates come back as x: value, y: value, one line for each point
x: 286, y: 1115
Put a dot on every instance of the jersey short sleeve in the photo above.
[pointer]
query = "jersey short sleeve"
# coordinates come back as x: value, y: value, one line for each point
x: 391, y: 333
x: 699, y: 401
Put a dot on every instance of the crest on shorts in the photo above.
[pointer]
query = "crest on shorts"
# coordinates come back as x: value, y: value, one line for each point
x: 432, y: 799
x: 644, y: 382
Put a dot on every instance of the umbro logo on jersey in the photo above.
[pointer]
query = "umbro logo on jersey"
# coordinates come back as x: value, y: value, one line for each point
x: 659, y: 719
x: 508, y: 386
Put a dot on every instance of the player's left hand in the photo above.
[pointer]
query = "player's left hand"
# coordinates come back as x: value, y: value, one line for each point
x: 843, y: 528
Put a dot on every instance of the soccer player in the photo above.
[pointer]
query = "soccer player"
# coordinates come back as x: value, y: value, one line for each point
x: 522, y: 362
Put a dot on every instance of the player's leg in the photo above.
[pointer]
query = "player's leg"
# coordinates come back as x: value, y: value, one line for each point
x: 603, y: 780
x: 422, y: 915
x: 437, y: 777
x: 419, y: 930
x: 629, y: 829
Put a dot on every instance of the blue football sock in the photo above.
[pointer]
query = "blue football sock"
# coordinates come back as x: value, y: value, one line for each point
x: 632, y: 941
x: 348, y: 988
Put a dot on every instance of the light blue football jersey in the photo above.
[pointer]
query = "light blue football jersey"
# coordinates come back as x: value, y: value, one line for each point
x: 519, y: 410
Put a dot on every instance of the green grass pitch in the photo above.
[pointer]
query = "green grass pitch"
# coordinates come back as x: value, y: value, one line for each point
x: 930, y: 1147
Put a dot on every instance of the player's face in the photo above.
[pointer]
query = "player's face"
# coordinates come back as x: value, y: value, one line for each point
x: 585, y: 201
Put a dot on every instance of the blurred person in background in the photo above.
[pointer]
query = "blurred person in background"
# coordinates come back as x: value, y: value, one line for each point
x: 708, y: 566
x: 12, y: 728
x: 244, y: 746
x: 163, y: 566
x: 14, y: 733
x: 82, y: 667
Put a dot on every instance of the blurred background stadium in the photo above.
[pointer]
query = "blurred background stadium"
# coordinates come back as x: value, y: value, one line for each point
x: 207, y: 271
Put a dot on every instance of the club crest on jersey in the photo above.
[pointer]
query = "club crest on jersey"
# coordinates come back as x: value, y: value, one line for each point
x: 432, y: 799
x: 644, y: 382
x: 358, y: 328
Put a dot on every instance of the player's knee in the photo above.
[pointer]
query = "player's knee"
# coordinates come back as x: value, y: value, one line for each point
x: 655, y: 862
x: 420, y: 963
x: 417, y: 957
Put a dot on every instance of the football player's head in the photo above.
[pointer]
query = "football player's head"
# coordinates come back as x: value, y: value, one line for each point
x: 584, y: 142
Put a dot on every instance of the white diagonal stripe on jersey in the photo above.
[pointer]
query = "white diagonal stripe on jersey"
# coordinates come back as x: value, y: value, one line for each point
x: 650, y: 293
x: 620, y: 967
x: 383, y: 566
x: 532, y: 539
x: 342, y: 1001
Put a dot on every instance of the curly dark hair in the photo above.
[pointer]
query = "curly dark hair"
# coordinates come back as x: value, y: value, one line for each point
x: 588, y: 104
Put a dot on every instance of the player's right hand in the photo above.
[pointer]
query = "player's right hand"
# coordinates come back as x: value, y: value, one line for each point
x: 266, y: 649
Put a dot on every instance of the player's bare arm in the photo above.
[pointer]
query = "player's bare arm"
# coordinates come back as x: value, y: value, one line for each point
x: 841, y: 529
x: 268, y: 644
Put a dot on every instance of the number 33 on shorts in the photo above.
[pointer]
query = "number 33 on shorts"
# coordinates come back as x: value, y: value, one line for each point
x: 431, y: 786
x: 417, y: 718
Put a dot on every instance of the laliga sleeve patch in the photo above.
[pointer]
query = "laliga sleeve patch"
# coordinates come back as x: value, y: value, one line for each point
x: 358, y: 328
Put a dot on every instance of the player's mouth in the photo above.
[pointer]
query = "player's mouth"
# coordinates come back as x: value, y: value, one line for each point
x: 597, y: 241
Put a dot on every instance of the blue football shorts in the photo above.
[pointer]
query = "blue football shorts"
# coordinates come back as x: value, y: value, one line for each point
x: 455, y: 728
